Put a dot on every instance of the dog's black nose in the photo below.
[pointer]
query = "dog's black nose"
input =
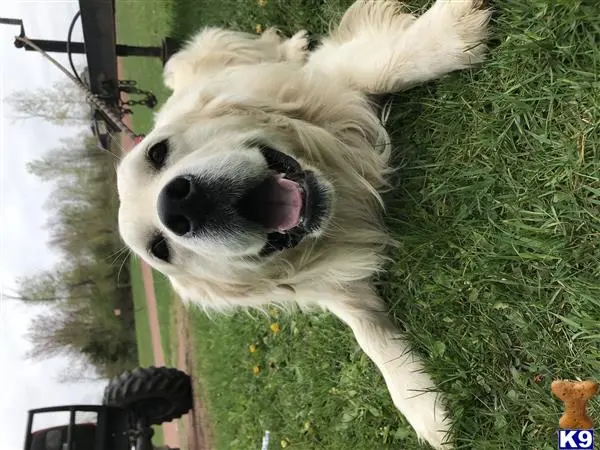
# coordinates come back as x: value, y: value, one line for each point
x: 183, y: 205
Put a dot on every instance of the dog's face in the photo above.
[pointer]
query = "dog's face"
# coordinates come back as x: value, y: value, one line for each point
x: 230, y: 190
x: 211, y: 190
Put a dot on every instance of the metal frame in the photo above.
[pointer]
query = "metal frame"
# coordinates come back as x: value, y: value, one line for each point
x: 100, y: 45
x: 112, y: 425
x: 101, y: 50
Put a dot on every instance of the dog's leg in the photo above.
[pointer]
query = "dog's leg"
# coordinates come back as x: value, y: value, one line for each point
x: 412, y: 390
x: 377, y: 49
x: 214, y: 49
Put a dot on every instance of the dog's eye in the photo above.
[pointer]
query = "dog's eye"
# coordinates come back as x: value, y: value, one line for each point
x: 157, y: 154
x: 160, y: 249
x: 279, y: 161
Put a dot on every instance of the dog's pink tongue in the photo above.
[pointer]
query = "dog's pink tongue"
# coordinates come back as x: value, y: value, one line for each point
x: 285, y: 201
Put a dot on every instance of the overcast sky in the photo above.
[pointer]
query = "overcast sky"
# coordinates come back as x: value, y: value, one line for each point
x: 23, y: 251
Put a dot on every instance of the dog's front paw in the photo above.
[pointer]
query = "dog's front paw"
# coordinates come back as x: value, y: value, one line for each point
x: 415, y: 395
x: 429, y: 419
x: 469, y: 20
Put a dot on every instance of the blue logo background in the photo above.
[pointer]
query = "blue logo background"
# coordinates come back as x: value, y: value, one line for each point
x: 575, y: 439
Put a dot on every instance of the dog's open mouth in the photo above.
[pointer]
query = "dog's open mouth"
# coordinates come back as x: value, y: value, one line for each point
x: 288, y: 204
x: 276, y: 204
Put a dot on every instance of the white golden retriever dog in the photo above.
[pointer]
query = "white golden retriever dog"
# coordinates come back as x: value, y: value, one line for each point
x: 260, y: 181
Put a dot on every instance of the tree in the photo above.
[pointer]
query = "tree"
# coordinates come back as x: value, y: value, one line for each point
x: 87, y: 332
x: 79, y: 371
x: 42, y: 287
x: 53, y: 285
x: 83, y: 291
x: 76, y: 154
x: 62, y: 104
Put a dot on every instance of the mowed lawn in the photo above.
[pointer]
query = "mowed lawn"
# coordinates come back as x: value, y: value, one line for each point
x: 496, y: 276
x: 142, y: 328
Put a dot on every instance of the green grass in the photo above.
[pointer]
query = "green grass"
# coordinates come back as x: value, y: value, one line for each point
x: 142, y: 329
x: 495, y: 279
x: 315, y: 389
x: 164, y: 296
x: 164, y: 305
x: 142, y: 325
x: 143, y: 23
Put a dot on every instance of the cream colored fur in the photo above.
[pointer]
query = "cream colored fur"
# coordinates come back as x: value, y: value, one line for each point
x: 214, y: 48
x: 230, y: 87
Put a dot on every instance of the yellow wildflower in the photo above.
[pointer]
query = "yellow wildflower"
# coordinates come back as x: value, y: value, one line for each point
x: 259, y: 28
x: 284, y: 443
x: 256, y: 370
x: 275, y: 328
x: 262, y: 3
x: 252, y: 348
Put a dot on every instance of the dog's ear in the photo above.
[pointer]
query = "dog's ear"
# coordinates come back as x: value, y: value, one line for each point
x: 214, y: 49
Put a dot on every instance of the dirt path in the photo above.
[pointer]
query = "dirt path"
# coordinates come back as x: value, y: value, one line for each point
x: 170, y: 430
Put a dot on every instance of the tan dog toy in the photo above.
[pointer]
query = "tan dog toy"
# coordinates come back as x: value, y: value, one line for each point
x: 575, y: 395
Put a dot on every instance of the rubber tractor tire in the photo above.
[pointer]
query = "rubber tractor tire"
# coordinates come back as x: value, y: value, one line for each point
x: 158, y: 394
